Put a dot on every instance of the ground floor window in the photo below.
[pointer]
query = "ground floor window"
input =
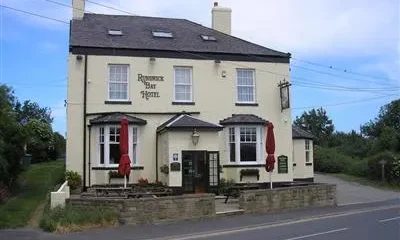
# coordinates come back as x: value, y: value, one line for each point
x: 245, y: 144
x: 108, y: 145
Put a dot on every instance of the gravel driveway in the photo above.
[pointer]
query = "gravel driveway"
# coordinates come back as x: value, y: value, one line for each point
x: 352, y: 192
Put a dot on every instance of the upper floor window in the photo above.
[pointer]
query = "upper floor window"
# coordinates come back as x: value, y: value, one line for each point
x: 245, y: 86
x: 307, y: 150
x: 118, y: 82
x: 183, y: 88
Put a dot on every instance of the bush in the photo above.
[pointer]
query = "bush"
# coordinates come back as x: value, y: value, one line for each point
x: 329, y: 160
x: 375, y: 169
x: 357, y: 168
x: 76, y: 218
x: 224, y: 184
x: 74, y: 179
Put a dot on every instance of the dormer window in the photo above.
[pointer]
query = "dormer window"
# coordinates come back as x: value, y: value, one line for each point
x: 114, y: 32
x: 208, y: 38
x: 162, y: 34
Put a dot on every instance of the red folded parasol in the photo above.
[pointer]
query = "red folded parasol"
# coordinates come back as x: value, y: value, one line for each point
x: 124, y: 167
x: 270, y: 148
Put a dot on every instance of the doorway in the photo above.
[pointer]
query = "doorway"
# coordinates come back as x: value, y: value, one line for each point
x: 199, y: 171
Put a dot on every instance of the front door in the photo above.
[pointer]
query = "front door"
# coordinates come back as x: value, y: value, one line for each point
x: 199, y: 171
x: 194, y: 176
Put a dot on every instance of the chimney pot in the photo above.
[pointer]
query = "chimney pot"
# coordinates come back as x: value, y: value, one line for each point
x: 215, y: 4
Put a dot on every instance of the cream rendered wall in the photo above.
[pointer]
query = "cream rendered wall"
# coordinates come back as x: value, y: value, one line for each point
x: 214, y: 98
x: 181, y: 140
x: 302, y: 171
x: 163, y: 156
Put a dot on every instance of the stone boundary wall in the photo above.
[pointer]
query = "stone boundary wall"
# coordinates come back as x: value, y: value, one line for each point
x: 280, y: 199
x: 155, y: 210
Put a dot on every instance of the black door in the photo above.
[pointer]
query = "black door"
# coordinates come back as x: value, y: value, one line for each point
x: 199, y: 171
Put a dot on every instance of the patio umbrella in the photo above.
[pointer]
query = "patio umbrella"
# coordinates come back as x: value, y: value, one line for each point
x: 270, y: 148
x: 124, y: 167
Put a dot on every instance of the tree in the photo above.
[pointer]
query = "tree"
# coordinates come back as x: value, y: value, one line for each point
x: 39, y: 140
x: 318, y: 123
x: 58, y: 148
x: 385, y: 128
x: 31, y: 110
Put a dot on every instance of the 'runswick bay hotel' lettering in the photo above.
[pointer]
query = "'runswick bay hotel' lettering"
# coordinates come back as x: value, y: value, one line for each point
x: 146, y: 80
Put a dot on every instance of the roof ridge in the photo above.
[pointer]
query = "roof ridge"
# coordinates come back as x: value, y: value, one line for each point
x: 133, y: 16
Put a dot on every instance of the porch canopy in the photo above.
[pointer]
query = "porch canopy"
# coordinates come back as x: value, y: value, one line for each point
x: 115, y: 118
x: 186, y: 122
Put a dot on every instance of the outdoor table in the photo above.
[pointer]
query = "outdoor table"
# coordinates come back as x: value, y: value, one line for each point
x: 234, y: 191
x: 106, y: 190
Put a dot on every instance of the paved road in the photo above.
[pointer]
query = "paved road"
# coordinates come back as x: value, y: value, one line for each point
x: 351, y: 192
x: 379, y: 220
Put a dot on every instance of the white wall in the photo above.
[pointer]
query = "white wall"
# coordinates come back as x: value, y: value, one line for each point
x: 301, y: 171
x: 214, y: 98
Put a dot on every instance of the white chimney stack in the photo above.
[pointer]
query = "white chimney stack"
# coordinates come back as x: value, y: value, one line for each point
x: 221, y: 19
x: 78, y: 9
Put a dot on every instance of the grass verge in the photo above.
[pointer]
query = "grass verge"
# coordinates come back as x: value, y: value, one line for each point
x: 76, y: 218
x: 34, y: 185
x: 367, y: 182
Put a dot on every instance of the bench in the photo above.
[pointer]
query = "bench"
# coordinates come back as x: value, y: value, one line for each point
x: 234, y: 191
x: 148, y: 194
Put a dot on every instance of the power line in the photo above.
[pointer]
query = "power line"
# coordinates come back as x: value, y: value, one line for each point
x: 347, y: 102
x: 66, y: 5
x: 110, y: 7
x: 342, y: 70
x: 33, y: 14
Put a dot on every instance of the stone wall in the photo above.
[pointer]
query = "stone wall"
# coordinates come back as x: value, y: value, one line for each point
x: 155, y: 210
x: 271, y: 200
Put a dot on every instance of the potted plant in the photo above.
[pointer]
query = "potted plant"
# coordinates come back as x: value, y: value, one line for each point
x: 250, y: 172
x: 74, y: 181
x: 164, y: 169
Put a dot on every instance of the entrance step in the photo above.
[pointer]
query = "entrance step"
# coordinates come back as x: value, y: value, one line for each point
x: 230, y: 213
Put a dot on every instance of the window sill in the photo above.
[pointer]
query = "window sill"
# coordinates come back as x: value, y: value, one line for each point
x: 309, y: 164
x: 247, y: 104
x: 116, y: 168
x: 240, y: 165
x: 118, y: 102
x: 182, y: 103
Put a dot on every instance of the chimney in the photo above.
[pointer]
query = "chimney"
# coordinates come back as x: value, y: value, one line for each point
x: 78, y: 9
x: 221, y: 19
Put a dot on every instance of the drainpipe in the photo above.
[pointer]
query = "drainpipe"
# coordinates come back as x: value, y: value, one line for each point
x: 90, y: 159
x: 84, y: 122
x: 156, y: 156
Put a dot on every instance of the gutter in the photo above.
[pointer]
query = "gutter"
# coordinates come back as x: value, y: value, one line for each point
x: 84, y: 122
x: 156, y: 156
x: 90, y: 162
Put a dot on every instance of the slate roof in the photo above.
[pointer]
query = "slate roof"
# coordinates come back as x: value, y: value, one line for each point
x: 298, y: 133
x: 243, y: 119
x: 115, y: 118
x: 92, y: 31
x: 187, y: 122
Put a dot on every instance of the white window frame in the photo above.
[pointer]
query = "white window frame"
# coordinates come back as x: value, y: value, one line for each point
x: 254, y: 85
x: 109, y: 81
x: 307, y: 150
x: 135, y: 161
x: 259, y: 145
x: 191, y: 83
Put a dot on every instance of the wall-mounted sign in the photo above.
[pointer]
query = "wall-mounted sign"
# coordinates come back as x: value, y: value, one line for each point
x: 175, y: 167
x: 175, y: 157
x: 282, y: 164
x: 146, y: 80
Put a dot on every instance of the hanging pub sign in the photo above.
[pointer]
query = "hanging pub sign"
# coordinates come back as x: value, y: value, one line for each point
x: 284, y: 93
x: 282, y: 164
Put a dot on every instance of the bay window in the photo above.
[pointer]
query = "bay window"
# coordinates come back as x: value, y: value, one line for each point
x: 108, y: 145
x: 245, y: 144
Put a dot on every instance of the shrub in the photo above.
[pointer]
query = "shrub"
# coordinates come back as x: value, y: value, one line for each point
x: 74, y: 179
x: 143, y: 181
x: 357, y: 168
x: 329, y: 160
x: 224, y: 184
x: 375, y: 169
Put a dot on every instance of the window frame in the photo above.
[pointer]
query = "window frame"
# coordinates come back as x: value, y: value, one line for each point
x: 307, y: 150
x: 109, y: 81
x: 134, y: 159
x: 191, y: 84
x: 259, y: 145
x: 254, y: 85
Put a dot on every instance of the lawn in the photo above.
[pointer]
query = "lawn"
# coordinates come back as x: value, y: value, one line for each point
x: 35, y: 183
x: 367, y: 182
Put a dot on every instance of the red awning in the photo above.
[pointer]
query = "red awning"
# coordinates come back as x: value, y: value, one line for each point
x: 124, y: 167
x: 270, y: 148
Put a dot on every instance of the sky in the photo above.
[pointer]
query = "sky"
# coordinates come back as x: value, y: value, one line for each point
x: 345, y: 53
